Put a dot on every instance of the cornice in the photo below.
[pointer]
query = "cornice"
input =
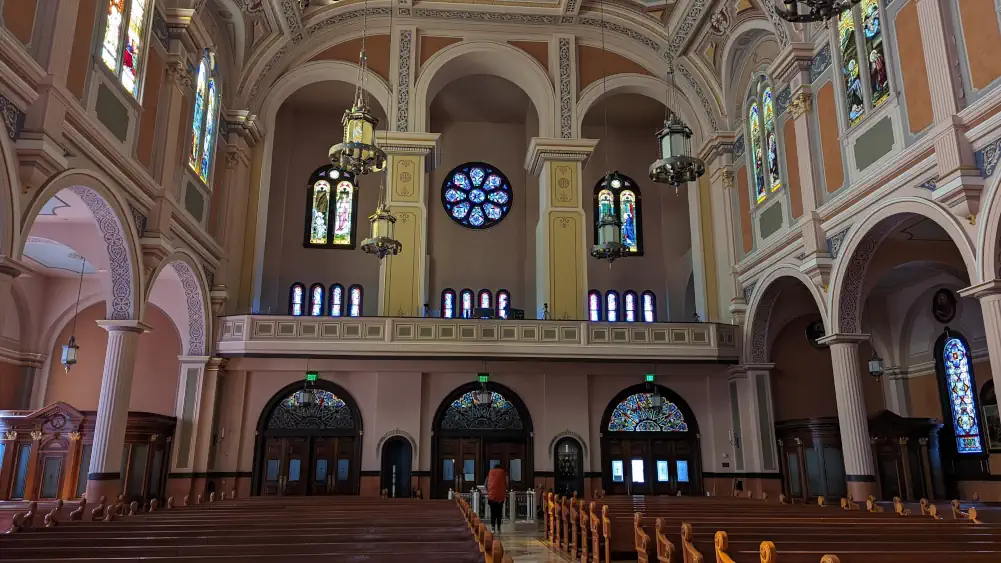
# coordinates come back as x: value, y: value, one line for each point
x: 542, y: 149
x: 20, y: 75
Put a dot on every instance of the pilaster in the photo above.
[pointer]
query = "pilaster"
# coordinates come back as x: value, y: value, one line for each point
x: 561, y: 235
x: 234, y: 194
x: 939, y: 47
x: 719, y: 165
x: 10, y: 270
x: 989, y: 294
x: 173, y: 146
x: 190, y: 394
x: 403, y: 278
x: 756, y: 419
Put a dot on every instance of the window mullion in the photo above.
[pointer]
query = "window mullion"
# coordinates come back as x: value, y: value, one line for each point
x: 123, y: 34
x: 862, y: 58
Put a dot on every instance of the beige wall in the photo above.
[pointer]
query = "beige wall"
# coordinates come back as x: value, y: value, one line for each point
x: 11, y: 386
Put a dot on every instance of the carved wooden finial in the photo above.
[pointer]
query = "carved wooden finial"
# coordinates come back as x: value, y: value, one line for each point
x: 233, y: 494
x: 185, y: 501
x: 133, y: 508
x: 170, y: 503
x: 78, y: 513
x: 198, y: 499
x: 211, y: 496
x: 153, y: 504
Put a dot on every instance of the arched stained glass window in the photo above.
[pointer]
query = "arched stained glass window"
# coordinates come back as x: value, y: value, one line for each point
x: 325, y: 411
x: 617, y: 195
x: 872, y: 29
x: 468, y: 413
x: 848, y: 47
x: 476, y: 195
x: 962, y: 396
x: 503, y: 303
x: 331, y: 209
x: 757, y: 152
x: 636, y: 413
x: 448, y: 304
x: 297, y: 299
x: 123, y: 48
x: 649, y: 307
x: 354, y: 301
x: 771, y: 144
x: 316, y: 292
x: 205, y: 118
x: 630, y: 305
x: 466, y: 303
x: 485, y: 299
x: 992, y: 417
x: 612, y: 306
x: 336, y: 300
x: 594, y: 305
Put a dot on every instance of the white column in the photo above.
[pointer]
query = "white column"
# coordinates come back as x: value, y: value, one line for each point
x: 989, y: 294
x: 860, y: 471
x: 113, y: 406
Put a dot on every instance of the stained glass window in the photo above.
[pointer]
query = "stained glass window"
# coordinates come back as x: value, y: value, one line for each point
x: 328, y: 227
x: 637, y: 414
x: 612, y: 306
x: 879, y: 83
x: 485, y: 299
x: 594, y: 305
x: 476, y: 195
x: 962, y: 397
x: 466, y: 302
x: 629, y: 306
x: 771, y: 145
x: 316, y: 300
x: 850, y: 66
x: 757, y: 152
x: 503, y: 303
x: 448, y: 304
x: 325, y: 411
x: 618, y: 196
x: 123, y: 47
x: 468, y: 413
x: 354, y: 301
x: 336, y: 300
x: 296, y: 299
x: 204, y: 121
x: 649, y: 307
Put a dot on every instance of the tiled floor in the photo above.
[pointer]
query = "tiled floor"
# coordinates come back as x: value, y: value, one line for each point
x: 526, y: 546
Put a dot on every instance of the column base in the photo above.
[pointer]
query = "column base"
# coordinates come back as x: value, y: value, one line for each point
x: 107, y: 485
x: 861, y: 486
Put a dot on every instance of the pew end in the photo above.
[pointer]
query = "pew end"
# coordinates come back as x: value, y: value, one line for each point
x: 690, y: 554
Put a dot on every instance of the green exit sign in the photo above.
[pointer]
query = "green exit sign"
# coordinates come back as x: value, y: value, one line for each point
x: 484, y: 377
x: 311, y: 376
x: 649, y: 377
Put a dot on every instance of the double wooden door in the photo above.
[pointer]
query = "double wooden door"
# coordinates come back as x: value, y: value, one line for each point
x: 463, y: 463
x: 309, y: 465
x: 651, y: 467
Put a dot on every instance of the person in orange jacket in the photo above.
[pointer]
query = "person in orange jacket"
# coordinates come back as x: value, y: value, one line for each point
x: 496, y: 492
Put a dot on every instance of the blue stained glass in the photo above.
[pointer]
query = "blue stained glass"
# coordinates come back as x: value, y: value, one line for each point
x: 498, y: 197
x: 461, y: 181
x: 637, y: 414
x: 962, y: 398
x: 476, y: 195
x: 476, y: 217
x: 492, y: 211
x: 477, y: 174
x: 493, y: 181
x: 321, y: 399
x: 460, y: 211
x: 454, y: 195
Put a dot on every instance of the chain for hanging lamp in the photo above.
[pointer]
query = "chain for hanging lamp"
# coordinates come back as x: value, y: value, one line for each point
x: 70, y: 350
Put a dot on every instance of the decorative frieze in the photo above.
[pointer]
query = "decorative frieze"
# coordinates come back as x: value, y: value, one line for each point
x: 13, y: 118
x: 835, y: 241
x: 683, y: 32
x: 800, y: 104
x: 988, y: 157
x: 566, y: 93
x: 140, y: 220
x: 702, y: 96
x: 403, y: 82
x: 820, y: 63
x: 782, y: 101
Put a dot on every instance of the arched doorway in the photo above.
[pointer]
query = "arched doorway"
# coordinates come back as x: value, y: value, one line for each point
x: 650, y: 450
x: 471, y: 436
x: 311, y: 448
x: 568, y: 467
x: 396, y: 467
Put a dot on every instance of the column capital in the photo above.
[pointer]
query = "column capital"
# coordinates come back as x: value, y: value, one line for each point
x: 246, y: 125
x: 766, y: 367
x: 801, y: 104
x: 792, y: 60
x: 720, y: 144
x: 842, y: 338
x: 199, y: 360
x: 408, y: 143
x: 544, y: 149
x: 178, y: 74
x: 981, y: 290
x: 215, y: 364
x: 124, y: 326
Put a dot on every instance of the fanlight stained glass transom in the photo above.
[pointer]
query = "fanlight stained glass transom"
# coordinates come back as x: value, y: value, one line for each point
x: 476, y: 195
x: 469, y: 413
x: 637, y: 414
x: 962, y: 398
x: 326, y: 411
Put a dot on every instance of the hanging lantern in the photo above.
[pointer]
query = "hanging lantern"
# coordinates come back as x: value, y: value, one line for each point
x: 484, y: 396
x: 876, y: 365
x: 608, y: 245
x: 656, y: 400
x: 358, y: 152
x: 380, y: 241
x: 70, y: 351
x: 797, y: 11
x: 675, y: 166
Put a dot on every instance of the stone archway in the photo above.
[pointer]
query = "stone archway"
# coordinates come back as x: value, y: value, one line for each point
x: 989, y: 234
x: 190, y: 309
x: 763, y: 300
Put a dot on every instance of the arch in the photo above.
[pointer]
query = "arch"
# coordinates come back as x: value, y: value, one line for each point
x: 316, y: 299
x: 303, y: 75
x: 595, y: 305
x: 10, y: 190
x: 651, y: 87
x: 757, y: 27
x: 766, y: 293
x: 861, y: 244
x: 989, y: 235
x: 195, y: 326
x: 448, y: 303
x: 118, y: 231
x: 396, y: 456
x: 568, y: 453
x: 485, y: 57
x: 666, y: 393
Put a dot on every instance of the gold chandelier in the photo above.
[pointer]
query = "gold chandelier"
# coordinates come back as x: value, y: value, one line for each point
x: 380, y: 241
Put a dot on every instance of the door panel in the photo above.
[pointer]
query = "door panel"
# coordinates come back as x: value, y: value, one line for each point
x: 346, y: 467
x: 274, y: 458
x: 297, y: 467
x: 322, y: 474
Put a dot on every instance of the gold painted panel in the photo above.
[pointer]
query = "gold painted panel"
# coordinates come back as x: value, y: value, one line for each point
x: 564, y: 186
x: 407, y: 177
x: 708, y: 250
x: 403, y: 271
x: 566, y: 266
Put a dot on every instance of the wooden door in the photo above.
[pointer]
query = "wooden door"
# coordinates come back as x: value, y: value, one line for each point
x: 321, y: 475
x: 274, y: 460
x: 684, y: 469
x: 511, y: 457
x: 458, y: 463
x: 50, y: 479
x: 346, y: 467
x: 639, y: 468
x: 617, y: 468
x: 296, y: 466
x: 662, y: 473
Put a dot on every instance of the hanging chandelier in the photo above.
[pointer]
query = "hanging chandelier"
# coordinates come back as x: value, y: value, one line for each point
x: 359, y: 152
x: 675, y: 166
x: 304, y: 396
x: 380, y: 241
x: 70, y: 350
x: 797, y: 11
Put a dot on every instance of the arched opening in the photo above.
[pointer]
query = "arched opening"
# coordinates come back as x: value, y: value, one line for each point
x: 310, y: 447
x: 396, y: 467
x: 471, y: 436
x: 568, y: 467
x: 648, y: 449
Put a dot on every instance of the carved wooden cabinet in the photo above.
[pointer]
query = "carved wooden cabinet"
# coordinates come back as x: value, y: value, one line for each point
x: 45, y: 454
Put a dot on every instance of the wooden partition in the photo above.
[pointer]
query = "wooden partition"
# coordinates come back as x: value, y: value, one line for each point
x: 45, y: 454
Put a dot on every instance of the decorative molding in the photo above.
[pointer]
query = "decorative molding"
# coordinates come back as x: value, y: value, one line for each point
x: 683, y: 32
x: 738, y: 147
x: 140, y: 221
x: 777, y: 22
x: 850, y: 302
x: 119, y: 257
x: 396, y: 432
x: 719, y: 23
x: 486, y: 16
x: 160, y: 30
x: 272, y: 63
x: 179, y: 74
x: 568, y: 434
x: 196, y: 311
x: 728, y: 179
x: 749, y: 290
x: 10, y: 435
x: 782, y: 101
x: 403, y: 81
x: 13, y: 118
x: 988, y: 157
x: 800, y: 105
x: 759, y: 326
x: 835, y: 241
x: 820, y: 63
x: 566, y: 94
x: 702, y: 96
x: 929, y: 184
x: 623, y: 30
x: 75, y: 436
x: 36, y: 435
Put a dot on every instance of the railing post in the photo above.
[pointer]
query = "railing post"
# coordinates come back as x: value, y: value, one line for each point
x: 451, y: 494
x: 476, y: 501
x: 531, y: 505
x: 513, y: 506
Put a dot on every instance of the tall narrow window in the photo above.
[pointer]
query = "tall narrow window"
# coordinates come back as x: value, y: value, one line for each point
x: 123, y: 48
x: 448, y: 304
x: 296, y: 299
x: 872, y: 29
x: 618, y: 196
x: 503, y: 303
x: 485, y: 299
x: 848, y: 47
x: 649, y: 307
x: 204, y: 120
x: 466, y: 302
x: 630, y: 305
x: 612, y: 306
x: 757, y: 152
x: 337, y: 300
x: 326, y: 226
x: 594, y: 305
x: 771, y: 145
x: 962, y: 396
x: 316, y: 300
x: 354, y: 301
